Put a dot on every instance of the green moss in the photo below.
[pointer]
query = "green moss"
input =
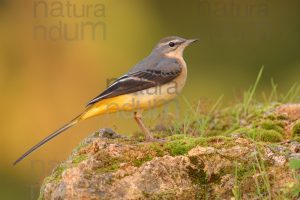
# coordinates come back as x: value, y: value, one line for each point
x: 54, y: 178
x: 281, y: 117
x: 245, y: 170
x: 109, y: 168
x: 158, y: 148
x: 296, y: 130
x: 184, y: 144
x: 265, y: 135
x: 176, y: 137
x: 271, y: 125
x: 57, y: 174
x: 137, y: 137
x: 297, y: 138
x: 140, y: 161
x: 295, y: 164
x: 178, y: 147
x: 78, y: 159
x: 108, y: 163
x: 219, y: 138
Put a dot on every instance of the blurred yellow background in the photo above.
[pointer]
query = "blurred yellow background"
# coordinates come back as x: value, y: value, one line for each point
x: 46, y: 82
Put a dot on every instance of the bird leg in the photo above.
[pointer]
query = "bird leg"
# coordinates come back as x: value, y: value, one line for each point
x: 138, y: 119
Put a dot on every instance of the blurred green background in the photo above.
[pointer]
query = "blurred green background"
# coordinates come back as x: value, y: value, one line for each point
x: 45, y: 83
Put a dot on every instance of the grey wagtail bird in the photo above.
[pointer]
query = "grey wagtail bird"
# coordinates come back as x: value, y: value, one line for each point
x: 155, y: 80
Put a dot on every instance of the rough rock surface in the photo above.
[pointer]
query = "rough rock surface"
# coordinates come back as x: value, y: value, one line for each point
x: 292, y: 114
x: 108, y: 166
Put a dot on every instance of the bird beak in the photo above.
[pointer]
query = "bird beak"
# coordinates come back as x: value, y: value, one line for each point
x: 191, y: 41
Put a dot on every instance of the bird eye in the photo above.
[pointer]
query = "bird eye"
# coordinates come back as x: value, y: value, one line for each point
x: 171, y: 44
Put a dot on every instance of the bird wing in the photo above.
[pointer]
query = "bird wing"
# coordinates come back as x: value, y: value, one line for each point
x: 135, y: 81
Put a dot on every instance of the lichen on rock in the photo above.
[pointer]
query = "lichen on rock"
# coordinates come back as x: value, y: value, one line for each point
x: 251, y: 162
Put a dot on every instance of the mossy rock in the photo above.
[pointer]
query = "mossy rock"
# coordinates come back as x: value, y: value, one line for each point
x: 180, y: 145
x: 297, y: 138
x: 296, y: 130
x: 140, y: 161
x: 272, y: 125
x: 265, y: 135
x: 79, y: 158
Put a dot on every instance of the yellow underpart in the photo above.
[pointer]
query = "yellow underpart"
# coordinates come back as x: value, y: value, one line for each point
x: 142, y: 100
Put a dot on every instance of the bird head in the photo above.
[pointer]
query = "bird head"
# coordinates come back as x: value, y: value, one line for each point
x: 172, y: 46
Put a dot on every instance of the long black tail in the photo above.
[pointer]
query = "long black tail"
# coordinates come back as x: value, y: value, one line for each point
x: 56, y: 133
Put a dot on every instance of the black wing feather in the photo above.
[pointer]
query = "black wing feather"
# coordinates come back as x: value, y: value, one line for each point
x: 141, y: 80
